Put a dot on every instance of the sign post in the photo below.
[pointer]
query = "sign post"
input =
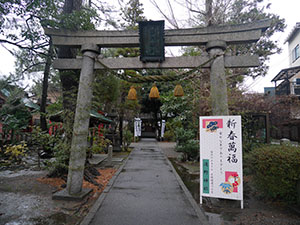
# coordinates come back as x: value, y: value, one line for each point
x: 221, y: 166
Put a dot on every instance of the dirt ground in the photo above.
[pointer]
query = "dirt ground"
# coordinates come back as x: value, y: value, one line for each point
x: 26, y: 197
x: 220, y: 211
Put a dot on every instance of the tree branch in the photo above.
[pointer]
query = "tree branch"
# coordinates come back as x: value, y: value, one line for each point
x: 31, y: 48
x: 31, y: 66
x: 163, y: 14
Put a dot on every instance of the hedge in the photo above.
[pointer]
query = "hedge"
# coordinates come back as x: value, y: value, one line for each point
x: 276, y: 170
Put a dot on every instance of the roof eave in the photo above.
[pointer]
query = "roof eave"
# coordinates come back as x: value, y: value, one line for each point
x: 293, y: 32
x: 292, y: 70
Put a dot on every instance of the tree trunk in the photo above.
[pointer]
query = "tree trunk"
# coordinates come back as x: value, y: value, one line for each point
x: 208, y: 12
x: 69, y: 78
x: 45, y: 87
x: 121, y: 127
x: 121, y: 120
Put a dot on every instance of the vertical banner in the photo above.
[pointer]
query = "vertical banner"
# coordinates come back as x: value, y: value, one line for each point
x: 221, y: 166
x: 163, y: 126
x: 137, y: 127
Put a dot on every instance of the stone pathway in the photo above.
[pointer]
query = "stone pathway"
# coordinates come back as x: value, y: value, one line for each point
x: 148, y: 192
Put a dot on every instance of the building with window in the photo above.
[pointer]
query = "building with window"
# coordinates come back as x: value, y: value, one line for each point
x: 294, y: 48
x: 287, y: 81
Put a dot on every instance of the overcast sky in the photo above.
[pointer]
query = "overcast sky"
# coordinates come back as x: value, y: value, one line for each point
x: 288, y: 9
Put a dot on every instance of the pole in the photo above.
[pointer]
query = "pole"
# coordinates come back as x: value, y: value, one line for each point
x: 218, y: 87
x: 81, y: 122
x: 109, y: 155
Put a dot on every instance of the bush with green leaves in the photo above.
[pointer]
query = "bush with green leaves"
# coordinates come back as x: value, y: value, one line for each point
x: 169, y: 136
x: 50, y: 144
x: 127, y: 139
x: 190, y: 150
x: 42, y: 140
x: 186, y: 143
x: 251, y: 127
x: 54, y: 144
x: 183, y: 135
x: 276, y: 170
x: 171, y: 127
x: 100, y: 145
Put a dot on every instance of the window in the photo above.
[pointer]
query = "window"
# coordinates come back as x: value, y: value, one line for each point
x: 295, y: 53
x: 297, y: 91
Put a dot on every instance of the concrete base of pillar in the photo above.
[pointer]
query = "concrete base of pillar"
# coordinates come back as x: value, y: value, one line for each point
x: 64, y: 195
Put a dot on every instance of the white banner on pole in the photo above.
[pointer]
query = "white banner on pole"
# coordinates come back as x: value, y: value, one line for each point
x: 137, y: 127
x: 221, y: 166
x: 163, y: 126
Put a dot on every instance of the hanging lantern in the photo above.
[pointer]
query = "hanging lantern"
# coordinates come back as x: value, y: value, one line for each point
x: 154, y: 94
x: 178, y: 91
x: 132, y: 94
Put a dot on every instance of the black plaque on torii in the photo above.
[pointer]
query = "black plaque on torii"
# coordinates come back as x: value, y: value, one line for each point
x: 152, y: 42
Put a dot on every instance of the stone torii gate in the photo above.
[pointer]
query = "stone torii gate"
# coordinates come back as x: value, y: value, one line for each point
x: 215, y: 39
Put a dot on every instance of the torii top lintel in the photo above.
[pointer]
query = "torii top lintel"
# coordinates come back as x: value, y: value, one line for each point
x: 231, y: 34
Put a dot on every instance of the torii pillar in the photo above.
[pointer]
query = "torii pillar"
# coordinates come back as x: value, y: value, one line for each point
x: 218, y: 87
x: 74, y: 190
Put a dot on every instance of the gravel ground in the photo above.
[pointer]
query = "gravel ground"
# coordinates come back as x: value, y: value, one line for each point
x: 26, y: 198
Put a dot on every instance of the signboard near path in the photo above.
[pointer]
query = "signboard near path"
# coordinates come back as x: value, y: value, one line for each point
x: 221, y: 166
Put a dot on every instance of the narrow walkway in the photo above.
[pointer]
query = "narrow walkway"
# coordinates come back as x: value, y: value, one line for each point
x: 146, y: 192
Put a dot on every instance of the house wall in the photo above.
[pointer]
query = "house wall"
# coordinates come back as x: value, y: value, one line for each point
x: 293, y: 82
x: 293, y: 42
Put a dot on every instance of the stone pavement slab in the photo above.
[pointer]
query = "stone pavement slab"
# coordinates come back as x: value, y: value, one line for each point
x: 147, y: 192
x: 97, y: 158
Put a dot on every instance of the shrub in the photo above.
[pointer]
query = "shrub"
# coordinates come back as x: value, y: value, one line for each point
x: 183, y: 135
x: 42, y: 140
x: 100, y: 145
x: 127, y: 139
x: 190, y: 149
x: 171, y: 126
x: 59, y: 166
x: 251, y: 128
x: 276, y: 170
x: 15, y: 152
x: 55, y: 145
x: 186, y: 143
x: 169, y: 136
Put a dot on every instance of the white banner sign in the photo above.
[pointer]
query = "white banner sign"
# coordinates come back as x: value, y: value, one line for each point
x: 221, y: 168
x: 137, y: 127
x: 163, y: 126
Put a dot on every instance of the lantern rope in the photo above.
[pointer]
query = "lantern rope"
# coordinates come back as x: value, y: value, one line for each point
x: 136, y: 78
